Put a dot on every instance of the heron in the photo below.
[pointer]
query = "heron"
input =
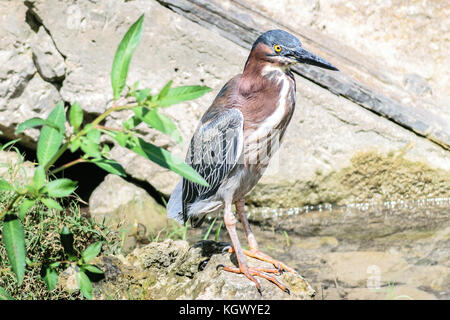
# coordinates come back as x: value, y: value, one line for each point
x: 235, y: 139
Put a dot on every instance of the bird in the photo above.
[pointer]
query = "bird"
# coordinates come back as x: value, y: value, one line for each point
x: 235, y: 139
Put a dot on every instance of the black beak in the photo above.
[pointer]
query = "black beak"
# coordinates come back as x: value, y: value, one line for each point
x: 303, y: 56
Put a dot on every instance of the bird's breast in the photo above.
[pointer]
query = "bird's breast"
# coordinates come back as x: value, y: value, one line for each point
x: 263, y: 138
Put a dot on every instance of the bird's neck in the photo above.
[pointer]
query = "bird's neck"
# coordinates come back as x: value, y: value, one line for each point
x: 259, y: 74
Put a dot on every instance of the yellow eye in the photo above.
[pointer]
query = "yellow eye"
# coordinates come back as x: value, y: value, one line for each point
x: 277, y: 48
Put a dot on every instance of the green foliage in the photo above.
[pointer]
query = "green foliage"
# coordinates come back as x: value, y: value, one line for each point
x: 123, y: 56
x: 158, y: 121
x: 184, y: 93
x: 51, y: 138
x: 34, y: 122
x: 209, y: 229
x: 5, y: 185
x: 54, y: 140
x: 91, y: 252
x: 14, y: 241
x: 60, y: 188
x: 4, y: 295
x: 75, y: 116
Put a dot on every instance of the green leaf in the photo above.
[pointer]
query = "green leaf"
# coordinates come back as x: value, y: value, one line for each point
x: 75, y: 115
x: 142, y: 95
x: 34, y: 122
x: 165, y: 159
x: 110, y: 166
x: 123, y: 56
x: 94, y: 135
x: 24, y: 207
x: 39, y: 178
x: 120, y: 137
x: 85, y: 285
x: 4, y: 295
x: 92, y: 251
x: 164, y: 91
x: 50, y: 139
x: 5, y: 185
x: 14, y: 240
x: 92, y: 268
x: 74, y: 145
x: 51, y: 204
x: 158, y: 121
x: 60, y: 188
x: 66, y: 238
x: 90, y: 148
x: 50, y: 278
x: 183, y: 93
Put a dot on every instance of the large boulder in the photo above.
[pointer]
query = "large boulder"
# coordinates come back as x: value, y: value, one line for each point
x: 326, y: 133
x: 175, y: 270
x: 23, y: 92
x: 128, y: 209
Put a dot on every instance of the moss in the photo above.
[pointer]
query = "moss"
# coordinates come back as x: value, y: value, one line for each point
x: 371, y: 176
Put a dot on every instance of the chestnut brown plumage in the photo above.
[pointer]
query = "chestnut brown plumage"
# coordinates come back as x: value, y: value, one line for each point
x: 236, y: 138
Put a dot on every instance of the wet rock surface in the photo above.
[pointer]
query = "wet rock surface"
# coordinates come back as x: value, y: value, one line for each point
x: 380, y: 252
x: 176, y: 270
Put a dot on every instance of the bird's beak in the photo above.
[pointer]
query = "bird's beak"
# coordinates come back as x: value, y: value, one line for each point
x: 303, y: 56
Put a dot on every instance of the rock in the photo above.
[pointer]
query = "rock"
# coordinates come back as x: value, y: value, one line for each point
x: 377, y: 34
x: 14, y: 169
x: 388, y: 266
x: 67, y: 280
x: 365, y: 251
x: 175, y: 270
x: 127, y: 207
x: 48, y: 60
x: 390, y: 293
x: 23, y: 93
x: 326, y: 138
x: 371, y: 176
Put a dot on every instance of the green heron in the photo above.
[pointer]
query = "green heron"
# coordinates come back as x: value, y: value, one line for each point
x: 235, y: 139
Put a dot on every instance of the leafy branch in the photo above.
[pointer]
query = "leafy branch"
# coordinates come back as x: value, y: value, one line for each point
x: 64, y: 130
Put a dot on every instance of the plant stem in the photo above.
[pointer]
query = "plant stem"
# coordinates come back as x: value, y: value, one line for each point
x: 94, y: 123
x: 68, y: 165
x: 56, y: 156
x: 10, y: 204
x: 107, y: 128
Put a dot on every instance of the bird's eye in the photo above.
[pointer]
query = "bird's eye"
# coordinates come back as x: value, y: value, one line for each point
x: 277, y: 48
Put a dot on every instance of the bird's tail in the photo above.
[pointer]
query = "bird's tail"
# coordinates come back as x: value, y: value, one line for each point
x: 174, y: 206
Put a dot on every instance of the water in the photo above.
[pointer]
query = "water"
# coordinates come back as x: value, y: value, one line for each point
x: 371, y: 250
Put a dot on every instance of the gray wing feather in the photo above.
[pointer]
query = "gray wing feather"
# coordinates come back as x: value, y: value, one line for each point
x: 214, y: 150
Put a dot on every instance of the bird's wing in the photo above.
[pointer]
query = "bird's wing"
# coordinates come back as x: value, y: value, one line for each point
x: 214, y: 150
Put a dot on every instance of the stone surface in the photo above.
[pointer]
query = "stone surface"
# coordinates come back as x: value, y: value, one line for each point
x: 14, y: 169
x: 48, y: 60
x: 127, y: 208
x: 325, y: 133
x: 394, y: 251
x: 176, y: 270
x: 410, y: 39
x: 23, y: 93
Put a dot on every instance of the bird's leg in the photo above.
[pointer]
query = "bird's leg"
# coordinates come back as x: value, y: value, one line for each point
x: 230, y: 223
x: 254, y: 250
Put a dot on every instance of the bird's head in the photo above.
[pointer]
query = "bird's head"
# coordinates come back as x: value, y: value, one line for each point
x: 282, y: 48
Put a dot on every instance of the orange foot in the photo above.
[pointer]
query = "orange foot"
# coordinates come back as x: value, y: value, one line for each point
x: 251, y: 272
x: 255, y: 253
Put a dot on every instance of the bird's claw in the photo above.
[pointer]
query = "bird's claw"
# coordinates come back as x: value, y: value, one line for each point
x: 220, y: 266
x: 250, y: 273
x: 226, y: 249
